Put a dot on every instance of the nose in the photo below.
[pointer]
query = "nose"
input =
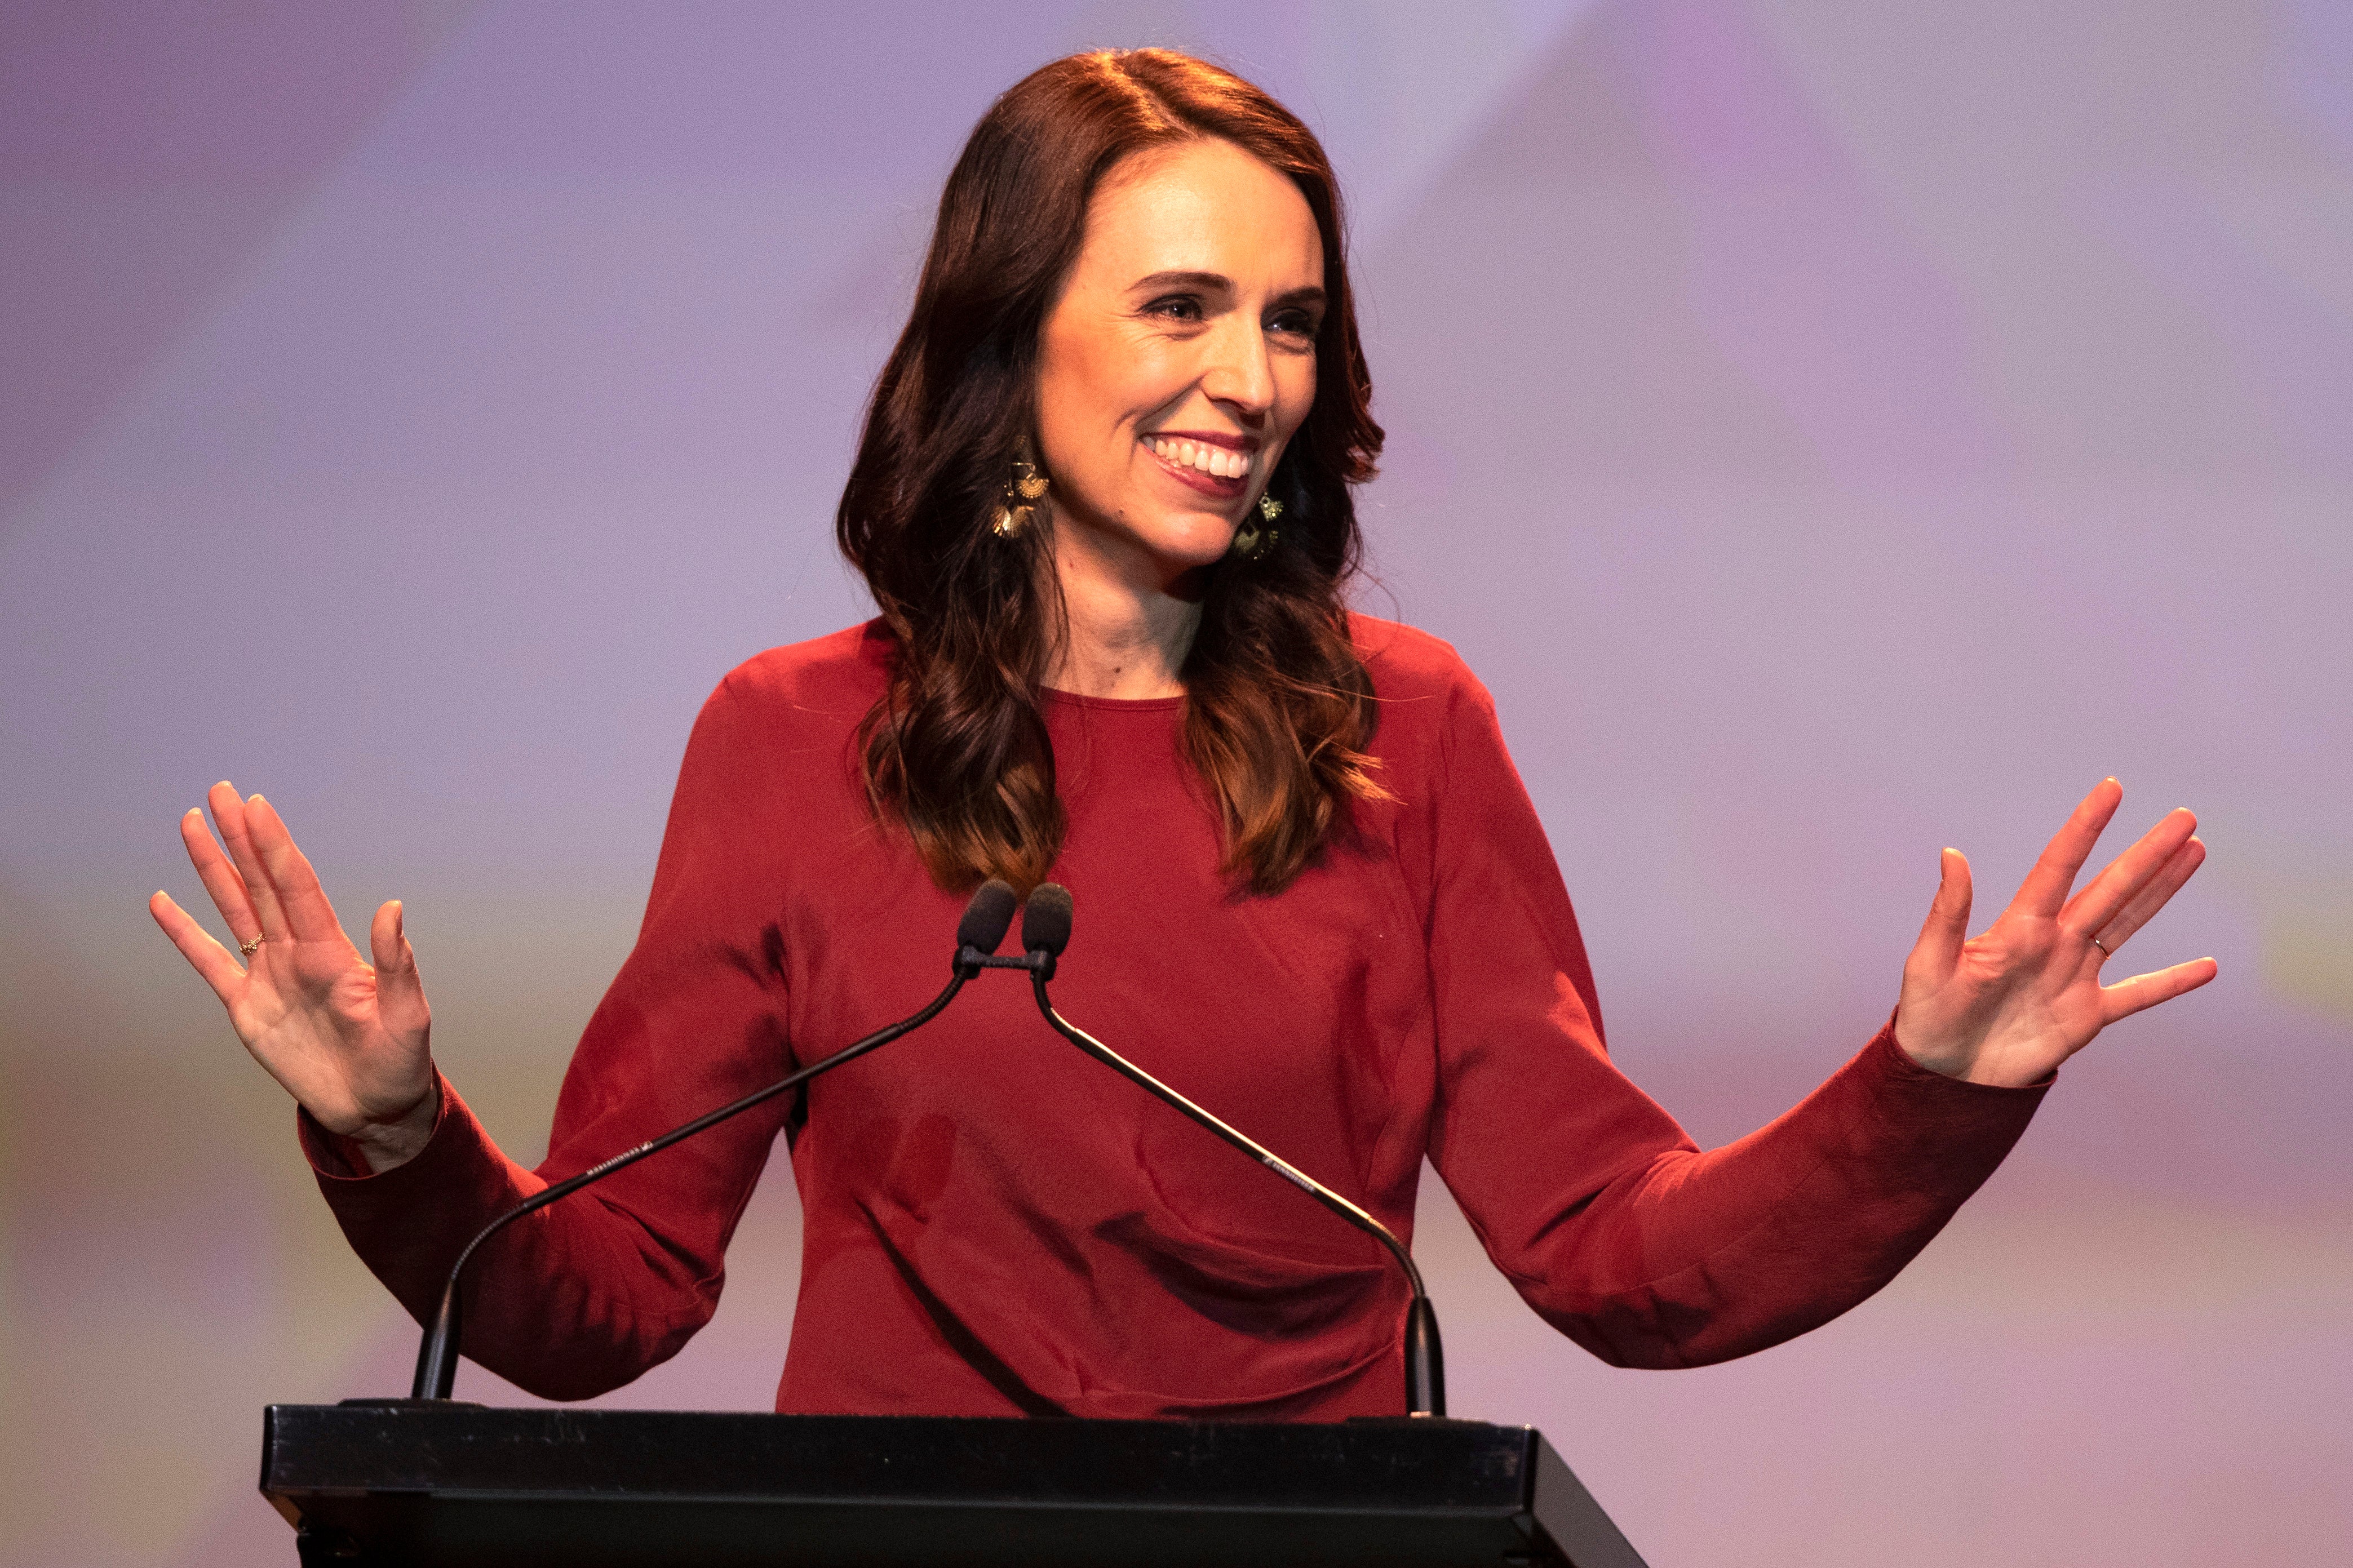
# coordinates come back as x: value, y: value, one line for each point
x: 1239, y: 372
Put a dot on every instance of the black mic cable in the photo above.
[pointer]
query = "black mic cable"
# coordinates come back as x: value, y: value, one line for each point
x: 1045, y: 932
x: 978, y: 934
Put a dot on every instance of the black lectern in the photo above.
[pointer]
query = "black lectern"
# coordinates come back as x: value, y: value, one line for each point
x: 384, y: 1482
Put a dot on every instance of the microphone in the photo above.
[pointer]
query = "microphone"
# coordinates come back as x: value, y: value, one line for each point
x: 978, y: 935
x: 1045, y: 932
x: 985, y: 920
x: 1046, y: 926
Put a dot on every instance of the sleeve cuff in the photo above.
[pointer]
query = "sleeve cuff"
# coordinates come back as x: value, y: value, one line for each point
x: 1903, y: 1104
x: 336, y: 1158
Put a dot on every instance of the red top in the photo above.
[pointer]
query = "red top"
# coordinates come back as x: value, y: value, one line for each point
x: 996, y: 1224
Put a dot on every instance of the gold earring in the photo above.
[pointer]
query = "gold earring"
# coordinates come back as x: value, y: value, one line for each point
x: 1019, y: 503
x: 1251, y: 540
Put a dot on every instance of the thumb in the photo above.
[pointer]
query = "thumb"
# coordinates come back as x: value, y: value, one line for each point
x: 1948, y: 926
x: 399, y: 991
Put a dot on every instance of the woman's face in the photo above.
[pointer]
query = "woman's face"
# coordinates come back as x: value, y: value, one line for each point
x: 1181, y: 356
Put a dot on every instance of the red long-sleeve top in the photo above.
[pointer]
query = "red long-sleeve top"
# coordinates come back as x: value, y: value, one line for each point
x: 995, y: 1225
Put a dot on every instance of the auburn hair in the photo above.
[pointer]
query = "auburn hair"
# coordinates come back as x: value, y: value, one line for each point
x: 1279, y: 708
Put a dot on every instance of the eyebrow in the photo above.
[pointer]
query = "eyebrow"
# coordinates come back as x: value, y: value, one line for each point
x: 1217, y: 282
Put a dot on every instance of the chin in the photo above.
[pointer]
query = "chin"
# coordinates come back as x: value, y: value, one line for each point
x: 1197, y: 548
x: 1185, y: 541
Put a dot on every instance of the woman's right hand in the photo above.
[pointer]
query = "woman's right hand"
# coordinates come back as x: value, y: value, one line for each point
x: 347, y: 1039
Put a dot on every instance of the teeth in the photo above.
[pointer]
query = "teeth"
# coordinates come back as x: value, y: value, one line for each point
x: 1208, y: 459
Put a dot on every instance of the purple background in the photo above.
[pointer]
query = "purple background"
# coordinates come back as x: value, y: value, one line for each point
x: 1832, y: 432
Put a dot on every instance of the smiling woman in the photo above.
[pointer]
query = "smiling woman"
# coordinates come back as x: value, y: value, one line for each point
x: 1166, y: 393
x: 1138, y: 282
x: 1103, y: 503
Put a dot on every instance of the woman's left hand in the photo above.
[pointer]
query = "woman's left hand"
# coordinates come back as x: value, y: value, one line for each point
x: 2009, y: 1005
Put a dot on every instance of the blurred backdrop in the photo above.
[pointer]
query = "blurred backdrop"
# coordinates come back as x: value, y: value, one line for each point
x: 1833, y: 432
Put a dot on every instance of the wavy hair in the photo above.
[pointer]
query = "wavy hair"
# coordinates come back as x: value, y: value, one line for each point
x: 1279, y: 708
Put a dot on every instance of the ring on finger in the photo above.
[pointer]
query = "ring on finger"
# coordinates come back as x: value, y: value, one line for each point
x: 246, y: 948
x: 2103, y: 946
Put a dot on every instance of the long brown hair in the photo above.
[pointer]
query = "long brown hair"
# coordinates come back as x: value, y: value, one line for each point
x: 1278, y: 708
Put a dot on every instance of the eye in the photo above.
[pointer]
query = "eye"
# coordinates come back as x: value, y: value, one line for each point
x: 1183, y: 308
x: 1295, y: 323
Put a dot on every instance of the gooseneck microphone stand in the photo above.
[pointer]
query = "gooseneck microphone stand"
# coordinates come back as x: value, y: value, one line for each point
x: 978, y: 934
x: 1045, y: 932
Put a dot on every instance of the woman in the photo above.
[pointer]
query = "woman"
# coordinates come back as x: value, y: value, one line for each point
x: 1103, y: 504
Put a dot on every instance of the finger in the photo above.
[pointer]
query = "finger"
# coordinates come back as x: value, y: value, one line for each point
x: 208, y: 958
x: 2126, y: 997
x: 308, y: 916
x: 2154, y: 894
x: 229, y: 816
x: 219, y: 877
x: 2045, y: 887
x: 399, y: 991
x: 1948, y: 926
x: 2122, y: 878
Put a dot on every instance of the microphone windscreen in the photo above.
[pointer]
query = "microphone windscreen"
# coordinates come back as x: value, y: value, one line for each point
x: 1046, y: 922
x: 987, y: 917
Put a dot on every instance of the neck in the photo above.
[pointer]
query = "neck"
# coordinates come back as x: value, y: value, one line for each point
x: 1128, y: 620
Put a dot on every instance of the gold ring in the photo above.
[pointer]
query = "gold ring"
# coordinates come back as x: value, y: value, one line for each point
x: 247, y: 947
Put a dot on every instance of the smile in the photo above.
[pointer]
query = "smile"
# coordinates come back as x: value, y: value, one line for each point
x: 1201, y: 458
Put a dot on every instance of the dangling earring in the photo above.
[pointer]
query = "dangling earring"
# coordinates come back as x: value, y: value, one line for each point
x: 1019, y: 503
x: 1251, y: 540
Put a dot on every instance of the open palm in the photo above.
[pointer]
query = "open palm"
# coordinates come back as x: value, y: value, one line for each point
x: 347, y: 1038
x: 2007, y: 1006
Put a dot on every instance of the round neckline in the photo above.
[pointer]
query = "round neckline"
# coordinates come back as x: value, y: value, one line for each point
x: 1114, y: 704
